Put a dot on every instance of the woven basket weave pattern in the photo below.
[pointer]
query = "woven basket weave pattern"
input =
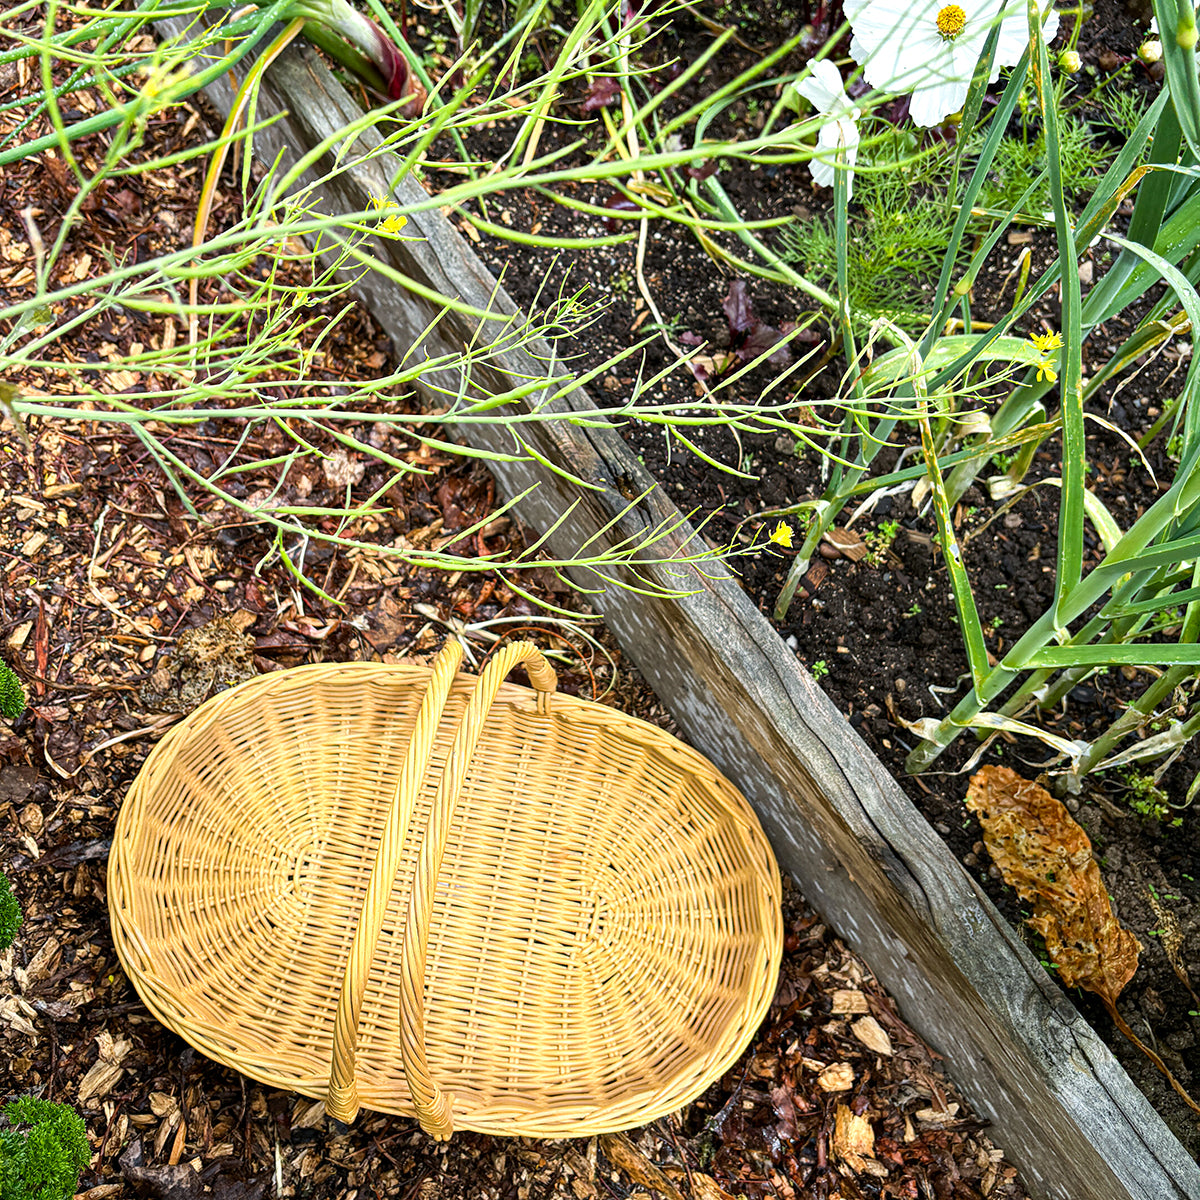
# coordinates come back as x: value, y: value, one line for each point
x: 604, y: 930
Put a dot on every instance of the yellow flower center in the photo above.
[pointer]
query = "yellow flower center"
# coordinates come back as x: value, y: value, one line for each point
x: 951, y: 21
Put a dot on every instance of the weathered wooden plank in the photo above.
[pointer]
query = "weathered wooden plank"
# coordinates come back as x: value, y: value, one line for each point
x: 1062, y: 1107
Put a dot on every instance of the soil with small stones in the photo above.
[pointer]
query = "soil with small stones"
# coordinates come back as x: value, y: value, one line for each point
x: 883, y: 639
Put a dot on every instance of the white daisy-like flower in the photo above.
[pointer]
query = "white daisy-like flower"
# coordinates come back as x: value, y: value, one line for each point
x: 931, y: 49
x: 824, y: 90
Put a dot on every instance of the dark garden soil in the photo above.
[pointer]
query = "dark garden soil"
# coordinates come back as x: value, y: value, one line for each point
x: 120, y: 611
x: 883, y: 640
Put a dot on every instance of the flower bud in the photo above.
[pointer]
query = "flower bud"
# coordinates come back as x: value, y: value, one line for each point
x: 1151, y: 51
x: 1069, y: 62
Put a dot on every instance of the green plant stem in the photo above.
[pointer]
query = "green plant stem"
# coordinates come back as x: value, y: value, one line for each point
x: 1185, y: 492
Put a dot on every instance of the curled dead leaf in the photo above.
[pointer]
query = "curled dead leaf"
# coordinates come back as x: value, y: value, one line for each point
x: 1044, y: 854
x: 836, y: 1078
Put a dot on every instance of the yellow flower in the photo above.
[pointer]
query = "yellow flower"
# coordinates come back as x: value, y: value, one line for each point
x: 389, y: 226
x: 781, y: 535
x: 1046, y: 371
x: 1046, y: 342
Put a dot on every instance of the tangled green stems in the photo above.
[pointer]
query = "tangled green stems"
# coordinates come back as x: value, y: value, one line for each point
x: 928, y: 381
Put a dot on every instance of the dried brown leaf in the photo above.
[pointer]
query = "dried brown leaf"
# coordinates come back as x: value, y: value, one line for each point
x: 1171, y: 939
x: 1045, y: 855
x: 785, y: 1111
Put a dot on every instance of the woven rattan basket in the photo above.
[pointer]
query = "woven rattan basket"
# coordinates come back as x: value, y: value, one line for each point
x: 438, y: 895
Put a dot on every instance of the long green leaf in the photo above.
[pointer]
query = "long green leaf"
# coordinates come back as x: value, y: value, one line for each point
x: 1177, y: 31
x: 1160, y: 603
x: 1149, y: 654
x: 987, y: 153
x: 1074, y: 450
x: 964, y: 598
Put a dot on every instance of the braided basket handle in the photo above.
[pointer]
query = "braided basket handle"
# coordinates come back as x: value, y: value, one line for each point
x: 432, y: 1104
x: 341, y: 1101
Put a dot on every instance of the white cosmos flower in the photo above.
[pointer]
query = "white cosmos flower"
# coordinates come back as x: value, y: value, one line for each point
x: 931, y: 49
x: 824, y: 90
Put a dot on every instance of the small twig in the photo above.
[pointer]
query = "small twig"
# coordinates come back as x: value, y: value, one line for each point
x: 687, y: 1167
x: 1123, y: 1026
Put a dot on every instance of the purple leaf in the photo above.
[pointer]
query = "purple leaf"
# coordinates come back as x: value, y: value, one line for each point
x: 739, y: 312
x: 601, y: 94
x: 618, y: 203
x: 750, y: 338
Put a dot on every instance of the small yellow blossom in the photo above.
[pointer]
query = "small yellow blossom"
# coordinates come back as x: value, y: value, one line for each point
x: 781, y: 535
x: 1046, y: 371
x: 1046, y: 342
x: 390, y: 226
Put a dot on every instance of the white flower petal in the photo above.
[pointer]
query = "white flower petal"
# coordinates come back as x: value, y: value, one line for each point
x: 900, y: 49
x: 836, y: 135
x: 823, y: 88
x: 931, y: 105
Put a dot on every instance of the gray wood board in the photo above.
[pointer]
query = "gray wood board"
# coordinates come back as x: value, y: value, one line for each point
x: 1061, y: 1106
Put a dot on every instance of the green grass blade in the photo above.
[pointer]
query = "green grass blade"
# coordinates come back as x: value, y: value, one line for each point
x: 1190, y: 300
x: 1155, y: 604
x: 964, y: 598
x: 987, y: 153
x: 1074, y: 452
x: 1149, y: 654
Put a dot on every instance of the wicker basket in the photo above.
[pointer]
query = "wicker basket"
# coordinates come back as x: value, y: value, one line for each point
x: 438, y: 895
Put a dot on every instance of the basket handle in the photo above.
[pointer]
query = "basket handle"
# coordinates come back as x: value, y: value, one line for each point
x: 432, y: 1104
x: 341, y: 1101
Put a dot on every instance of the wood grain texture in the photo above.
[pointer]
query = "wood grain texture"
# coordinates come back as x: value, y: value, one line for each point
x: 1061, y: 1106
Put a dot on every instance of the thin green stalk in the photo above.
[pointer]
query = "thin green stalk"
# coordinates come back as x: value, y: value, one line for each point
x: 1131, y: 553
x: 180, y: 89
x: 1074, y: 452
